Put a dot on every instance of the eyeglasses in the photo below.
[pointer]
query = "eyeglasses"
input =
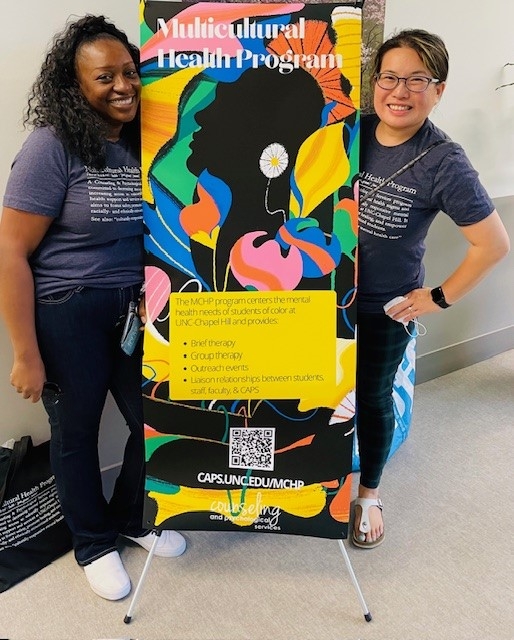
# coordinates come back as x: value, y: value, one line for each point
x: 416, y: 84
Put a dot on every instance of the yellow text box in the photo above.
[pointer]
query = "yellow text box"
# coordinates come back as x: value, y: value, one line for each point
x: 276, y: 345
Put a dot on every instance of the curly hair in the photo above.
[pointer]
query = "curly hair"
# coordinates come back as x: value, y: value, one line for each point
x: 55, y: 99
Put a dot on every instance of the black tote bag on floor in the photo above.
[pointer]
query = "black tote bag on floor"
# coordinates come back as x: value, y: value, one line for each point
x: 32, y: 528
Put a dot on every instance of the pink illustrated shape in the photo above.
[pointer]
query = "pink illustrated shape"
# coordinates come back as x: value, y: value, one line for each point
x: 158, y: 289
x: 264, y: 267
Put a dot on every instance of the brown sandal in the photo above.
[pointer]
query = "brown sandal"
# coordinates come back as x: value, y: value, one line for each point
x: 360, y: 539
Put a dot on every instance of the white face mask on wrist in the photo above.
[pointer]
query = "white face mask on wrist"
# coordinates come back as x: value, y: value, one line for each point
x: 419, y: 328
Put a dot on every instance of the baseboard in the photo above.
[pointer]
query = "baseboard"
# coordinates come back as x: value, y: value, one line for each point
x: 464, y: 354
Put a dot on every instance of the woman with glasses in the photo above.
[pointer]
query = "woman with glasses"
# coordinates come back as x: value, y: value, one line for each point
x: 398, y: 205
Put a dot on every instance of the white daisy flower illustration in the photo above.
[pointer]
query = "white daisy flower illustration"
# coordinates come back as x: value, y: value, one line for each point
x: 273, y: 161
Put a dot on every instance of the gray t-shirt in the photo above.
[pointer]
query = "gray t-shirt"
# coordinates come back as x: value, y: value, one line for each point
x: 394, y: 222
x: 96, y: 238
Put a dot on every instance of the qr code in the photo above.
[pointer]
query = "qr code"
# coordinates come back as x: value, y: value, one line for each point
x: 252, y: 448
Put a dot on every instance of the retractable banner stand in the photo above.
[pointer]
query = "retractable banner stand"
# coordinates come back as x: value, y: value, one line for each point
x: 250, y: 165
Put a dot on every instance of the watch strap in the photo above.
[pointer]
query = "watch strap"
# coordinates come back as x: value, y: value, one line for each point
x: 438, y: 297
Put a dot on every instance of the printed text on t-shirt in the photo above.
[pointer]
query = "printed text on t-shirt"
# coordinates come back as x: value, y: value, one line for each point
x: 114, y: 194
x: 385, y: 215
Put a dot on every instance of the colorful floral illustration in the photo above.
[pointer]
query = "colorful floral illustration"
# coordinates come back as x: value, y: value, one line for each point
x: 250, y: 167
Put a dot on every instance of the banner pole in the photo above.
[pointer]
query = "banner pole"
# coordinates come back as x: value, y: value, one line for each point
x: 364, y: 606
x: 139, y: 588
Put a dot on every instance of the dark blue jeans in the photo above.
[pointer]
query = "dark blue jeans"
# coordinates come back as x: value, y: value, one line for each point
x: 79, y: 338
x: 381, y: 343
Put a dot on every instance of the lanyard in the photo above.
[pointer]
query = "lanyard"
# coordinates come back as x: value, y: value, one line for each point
x: 401, y: 170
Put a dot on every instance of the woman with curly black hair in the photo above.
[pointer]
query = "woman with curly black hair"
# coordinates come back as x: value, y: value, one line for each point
x: 71, y: 262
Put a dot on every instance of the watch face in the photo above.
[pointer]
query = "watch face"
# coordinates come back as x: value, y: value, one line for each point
x: 438, y: 297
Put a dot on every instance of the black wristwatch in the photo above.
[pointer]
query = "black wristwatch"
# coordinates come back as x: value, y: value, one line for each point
x: 438, y: 297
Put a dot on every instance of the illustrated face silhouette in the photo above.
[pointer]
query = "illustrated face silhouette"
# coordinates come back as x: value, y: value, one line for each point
x: 261, y: 107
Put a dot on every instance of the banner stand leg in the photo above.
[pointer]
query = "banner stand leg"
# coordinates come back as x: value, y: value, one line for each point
x: 364, y: 606
x: 139, y: 588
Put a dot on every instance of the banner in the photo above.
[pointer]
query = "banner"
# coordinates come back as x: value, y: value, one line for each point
x: 250, y: 167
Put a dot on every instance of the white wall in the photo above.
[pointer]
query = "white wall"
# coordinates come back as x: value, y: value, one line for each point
x: 479, y: 38
x: 472, y: 112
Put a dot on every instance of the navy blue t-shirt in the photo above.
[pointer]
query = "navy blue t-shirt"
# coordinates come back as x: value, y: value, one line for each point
x: 394, y: 222
x: 96, y: 237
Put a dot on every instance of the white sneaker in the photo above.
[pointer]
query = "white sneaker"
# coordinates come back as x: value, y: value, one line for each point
x: 107, y: 577
x: 171, y: 543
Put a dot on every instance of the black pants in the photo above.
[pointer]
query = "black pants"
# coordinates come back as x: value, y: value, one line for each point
x: 381, y: 343
x: 79, y: 337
